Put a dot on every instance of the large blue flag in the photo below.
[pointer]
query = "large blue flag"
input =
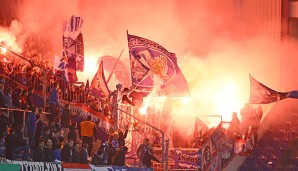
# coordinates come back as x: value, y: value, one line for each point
x: 154, y: 69
x: 261, y: 94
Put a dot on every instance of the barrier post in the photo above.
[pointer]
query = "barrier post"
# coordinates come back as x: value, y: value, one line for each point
x: 167, y: 155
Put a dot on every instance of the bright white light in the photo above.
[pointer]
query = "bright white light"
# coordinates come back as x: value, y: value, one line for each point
x: 143, y: 110
x: 185, y: 100
x: 3, y: 50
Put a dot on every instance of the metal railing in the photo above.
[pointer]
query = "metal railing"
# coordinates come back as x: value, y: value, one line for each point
x: 17, y: 110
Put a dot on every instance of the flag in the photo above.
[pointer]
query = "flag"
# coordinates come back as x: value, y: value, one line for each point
x: 73, y: 46
x: 199, y: 126
x: 99, y: 86
x: 261, y: 94
x: 154, y: 69
x: 57, y: 63
x: 87, y: 85
x: 70, y: 72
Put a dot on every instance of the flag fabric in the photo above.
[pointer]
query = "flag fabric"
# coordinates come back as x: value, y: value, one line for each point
x: 87, y: 87
x: 73, y: 46
x: 199, y: 126
x: 57, y: 63
x: 70, y: 71
x: 154, y: 69
x: 261, y: 94
x: 98, y: 85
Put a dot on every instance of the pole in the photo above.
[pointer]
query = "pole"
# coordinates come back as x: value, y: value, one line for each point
x: 167, y: 155
x: 114, y: 67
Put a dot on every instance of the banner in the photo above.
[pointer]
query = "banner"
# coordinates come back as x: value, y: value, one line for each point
x: 154, y: 69
x: 10, y: 167
x: 75, y: 167
x: 186, y: 159
x: 29, y: 166
x: 261, y: 94
x: 119, y: 168
x: 84, y: 111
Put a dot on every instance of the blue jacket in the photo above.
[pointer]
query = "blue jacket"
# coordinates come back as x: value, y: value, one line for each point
x: 54, y: 96
x: 31, y: 123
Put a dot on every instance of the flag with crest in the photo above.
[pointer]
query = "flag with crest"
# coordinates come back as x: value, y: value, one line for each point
x: 154, y: 69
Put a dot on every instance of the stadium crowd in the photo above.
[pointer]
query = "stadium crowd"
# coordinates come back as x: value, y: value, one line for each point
x: 53, y: 132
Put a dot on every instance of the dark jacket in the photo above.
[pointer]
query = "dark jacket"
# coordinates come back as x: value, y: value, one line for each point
x: 121, y: 139
x: 49, y: 152
x: 119, y: 159
x: 39, y: 154
x: 66, y: 154
x: 65, y: 118
x: 10, y: 145
x: 76, y: 158
x: 84, y: 156
x: 4, y: 122
x: 148, y: 157
x: 72, y: 134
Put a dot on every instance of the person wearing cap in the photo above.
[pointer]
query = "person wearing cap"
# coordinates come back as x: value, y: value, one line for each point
x: 88, y: 133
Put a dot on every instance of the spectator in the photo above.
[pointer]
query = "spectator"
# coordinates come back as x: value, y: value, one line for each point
x: 8, y: 98
x: 39, y: 152
x: 40, y: 124
x: 47, y: 133
x: 20, y: 145
x: 4, y: 122
x: 119, y: 158
x: 142, y: 150
x: 10, y: 143
x: 30, y: 102
x: 23, y: 100
x: 16, y: 97
x: 56, y: 138
x: 66, y: 152
x: 88, y: 133
x: 31, y: 126
x: 73, y: 132
x: 116, y: 96
x: 54, y: 100
x: 235, y: 125
x: 57, y: 153
x: 148, y: 157
x: 49, y: 152
x: 122, y: 136
x: 66, y: 120
x: 76, y: 158
x: 84, y: 154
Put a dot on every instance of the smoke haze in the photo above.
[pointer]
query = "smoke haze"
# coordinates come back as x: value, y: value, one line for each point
x: 217, y: 44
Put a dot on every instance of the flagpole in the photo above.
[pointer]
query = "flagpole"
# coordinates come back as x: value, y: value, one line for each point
x: 108, y: 80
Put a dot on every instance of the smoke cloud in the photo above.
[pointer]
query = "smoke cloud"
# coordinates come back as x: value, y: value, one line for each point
x: 217, y: 43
